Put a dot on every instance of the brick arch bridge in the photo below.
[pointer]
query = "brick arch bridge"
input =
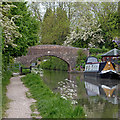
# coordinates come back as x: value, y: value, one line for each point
x: 68, y: 54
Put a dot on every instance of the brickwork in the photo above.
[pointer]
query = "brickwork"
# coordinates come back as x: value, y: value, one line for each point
x: 68, y: 54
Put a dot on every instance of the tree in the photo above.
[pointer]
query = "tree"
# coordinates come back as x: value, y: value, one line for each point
x: 35, y: 8
x: 28, y: 28
x: 94, y: 23
x: 116, y: 42
x: 48, y: 24
x: 62, y: 28
x: 85, y: 28
x: 20, y: 29
x: 9, y: 31
x: 55, y: 27
x: 106, y: 14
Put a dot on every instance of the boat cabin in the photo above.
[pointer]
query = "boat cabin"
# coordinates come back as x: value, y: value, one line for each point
x: 91, y: 59
x: 113, y: 56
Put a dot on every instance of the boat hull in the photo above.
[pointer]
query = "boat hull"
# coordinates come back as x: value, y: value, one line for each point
x: 94, y: 74
x: 110, y: 75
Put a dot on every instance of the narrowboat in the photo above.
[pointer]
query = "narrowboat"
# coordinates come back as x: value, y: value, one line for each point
x: 104, y: 69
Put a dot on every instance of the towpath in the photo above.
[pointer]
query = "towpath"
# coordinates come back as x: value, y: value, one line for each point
x: 19, y: 107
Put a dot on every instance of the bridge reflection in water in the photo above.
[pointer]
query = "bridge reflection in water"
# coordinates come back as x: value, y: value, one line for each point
x: 99, y: 97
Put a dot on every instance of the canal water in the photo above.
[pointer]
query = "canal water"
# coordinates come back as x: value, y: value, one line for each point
x: 98, y: 97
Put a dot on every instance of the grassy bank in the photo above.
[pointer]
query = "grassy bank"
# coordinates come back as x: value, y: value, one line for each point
x: 6, y: 75
x: 49, y: 104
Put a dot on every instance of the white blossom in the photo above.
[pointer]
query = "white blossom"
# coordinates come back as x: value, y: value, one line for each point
x: 87, y: 25
x: 10, y: 30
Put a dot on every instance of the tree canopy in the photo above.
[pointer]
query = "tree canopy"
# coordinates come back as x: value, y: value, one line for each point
x: 55, y: 26
x: 93, y: 24
x: 79, y: 24
x: 20, y: 29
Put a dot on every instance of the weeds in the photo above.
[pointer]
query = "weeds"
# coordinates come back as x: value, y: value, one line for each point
x: 33, y: 107
x: 28, y: 94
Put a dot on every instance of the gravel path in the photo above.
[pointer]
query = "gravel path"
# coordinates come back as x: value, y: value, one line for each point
x: 19, y: 107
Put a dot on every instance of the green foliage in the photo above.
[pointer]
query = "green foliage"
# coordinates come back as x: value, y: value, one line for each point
x: 80, y: 43
x: 118, y: 61
x: 55, y: 27
x: 25, y: 71
x: 13, y: 67
x: 28, y: 27
x: 48, y: 24
x: 85, y: 30
x: 49, y: 104
x: 98, y: 50
x: 94, y: 24
x: 6, y: 75
x: 109, y: 19
x: 9, y: 29
x: 62, y: 27
x: 81, y: 55
x: 54, y: 63
x: 99, y: 56
x: 81, y: 59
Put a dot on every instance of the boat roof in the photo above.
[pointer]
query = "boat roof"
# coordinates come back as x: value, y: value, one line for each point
x: 113, y: 52
x: 91, y: 59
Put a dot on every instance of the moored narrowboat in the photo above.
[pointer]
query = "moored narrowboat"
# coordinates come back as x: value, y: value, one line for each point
x: 103, y: 69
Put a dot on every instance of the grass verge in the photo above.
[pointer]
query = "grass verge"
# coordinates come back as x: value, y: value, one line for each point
x: 49, y: 104
x: 5, y: 81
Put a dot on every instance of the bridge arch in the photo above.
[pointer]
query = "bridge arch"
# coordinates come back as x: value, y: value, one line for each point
x: 34, y: 59
x: 68, y: 54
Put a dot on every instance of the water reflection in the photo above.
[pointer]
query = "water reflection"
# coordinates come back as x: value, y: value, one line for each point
x: 98, y: 97
x: 101, y: 99
x: 92, y: 90
x: 106, y: 88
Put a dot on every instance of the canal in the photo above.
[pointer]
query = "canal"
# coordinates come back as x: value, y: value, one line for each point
x: 98, y: 97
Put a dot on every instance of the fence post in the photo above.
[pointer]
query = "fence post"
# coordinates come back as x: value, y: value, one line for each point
x: 21, y: 70
x: 30, y: 68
